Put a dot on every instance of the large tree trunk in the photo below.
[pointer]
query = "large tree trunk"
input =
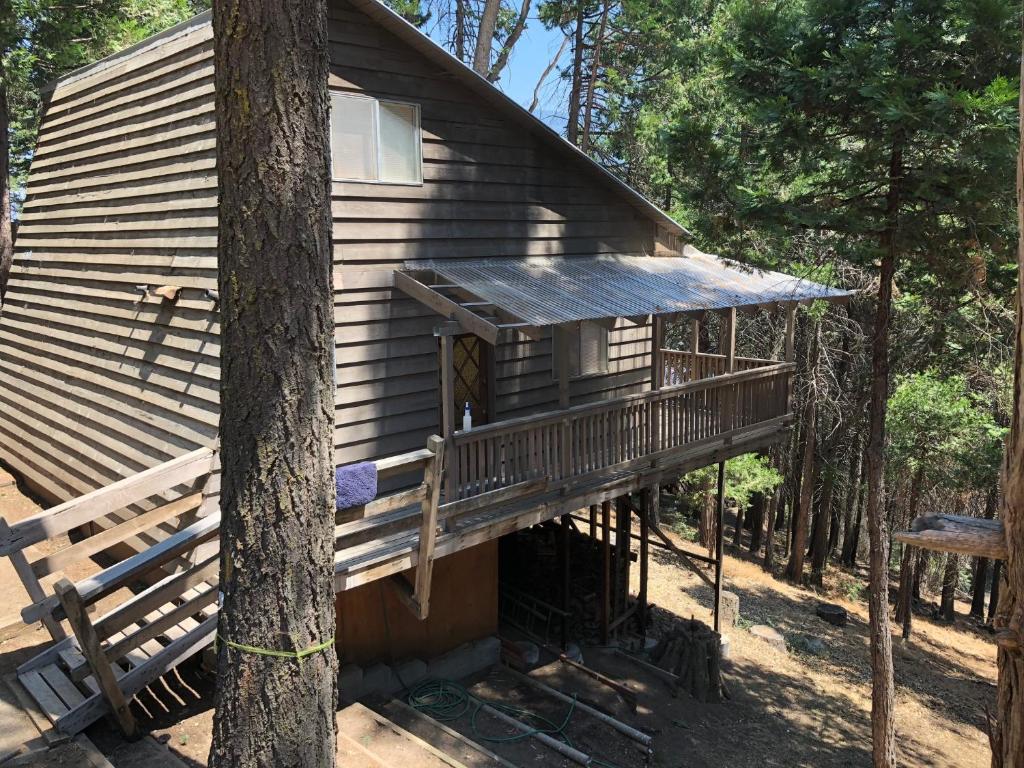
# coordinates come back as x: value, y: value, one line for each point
x: 981, y: 563
x: 820, y: 548
x: 485, y: 37
x: 947, y: 605
x: 849, y: 552
x: 1008, y: 737
x: 595, y: 68
x: 883, y: 735
x: 572, y: 127
x: 460, y: 30
x: 905, y: 596
x: 757, y: 507
x: 277, y: 386
x: 6, y: 237
x: 795, y: 566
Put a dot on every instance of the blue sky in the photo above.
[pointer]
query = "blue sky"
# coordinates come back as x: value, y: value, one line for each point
x: 532, y: 53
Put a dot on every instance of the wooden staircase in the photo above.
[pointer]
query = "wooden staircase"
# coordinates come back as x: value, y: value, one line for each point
x: 160, y: 592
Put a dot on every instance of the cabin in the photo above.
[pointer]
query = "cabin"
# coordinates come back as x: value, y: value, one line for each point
x: 502, y: 304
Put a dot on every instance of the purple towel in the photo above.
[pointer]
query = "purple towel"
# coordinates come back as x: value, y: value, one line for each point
x: 356, y: 484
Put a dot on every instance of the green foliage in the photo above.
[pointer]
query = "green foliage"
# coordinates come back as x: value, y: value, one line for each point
x: 937, y: 428
x: 41, y: 40
x: 745, y: 476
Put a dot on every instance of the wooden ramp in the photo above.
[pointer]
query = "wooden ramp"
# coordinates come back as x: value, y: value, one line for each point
x: 367, y: 739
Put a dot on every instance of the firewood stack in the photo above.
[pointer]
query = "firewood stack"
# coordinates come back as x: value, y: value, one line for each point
x: 692, y: 651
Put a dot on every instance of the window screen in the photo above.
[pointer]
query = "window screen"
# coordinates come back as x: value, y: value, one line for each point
x: 588, y: 351
x: 375, y: 140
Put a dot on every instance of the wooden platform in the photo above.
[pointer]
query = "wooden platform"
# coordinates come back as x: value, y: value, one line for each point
x: 367, y: 739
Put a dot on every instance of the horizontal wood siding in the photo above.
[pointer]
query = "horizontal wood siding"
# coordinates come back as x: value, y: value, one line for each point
x: 489, y: 189
x: 98, y: 381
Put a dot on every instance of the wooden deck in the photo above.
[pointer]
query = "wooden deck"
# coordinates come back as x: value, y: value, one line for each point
x: 508, y: 476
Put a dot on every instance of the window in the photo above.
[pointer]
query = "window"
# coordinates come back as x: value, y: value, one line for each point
x: 376, y: 141
x: 588, y: 351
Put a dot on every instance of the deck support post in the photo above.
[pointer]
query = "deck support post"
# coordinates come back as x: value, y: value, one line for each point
x: 593, y: 521
x: 563, y: 556
x: 647, y: 507
x: 606, y: 569
x: 719, y: 518
x: 623, y: 518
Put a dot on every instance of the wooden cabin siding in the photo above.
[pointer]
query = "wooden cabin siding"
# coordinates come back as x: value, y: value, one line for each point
x: 97, y: 382
x: 489, y: 189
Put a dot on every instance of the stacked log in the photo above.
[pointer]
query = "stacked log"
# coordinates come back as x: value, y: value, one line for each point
x: 692, y: 651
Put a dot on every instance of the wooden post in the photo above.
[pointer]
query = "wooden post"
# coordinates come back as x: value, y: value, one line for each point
x: 719, y: 518
x: 606, y: 569
x: 428, y: 526
x: 89, y: 644
x: 694, y: 350
x: 593, y: 521
x: 623, y: 539
x: 650, y: 496
x: 30, y: 581
x: 563, y: 551
x: 447, y: 363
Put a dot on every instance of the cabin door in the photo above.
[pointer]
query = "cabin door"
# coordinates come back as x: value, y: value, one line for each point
x: 471, y: 360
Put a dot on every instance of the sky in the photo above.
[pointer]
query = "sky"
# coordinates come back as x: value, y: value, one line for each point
x: 530, y: 56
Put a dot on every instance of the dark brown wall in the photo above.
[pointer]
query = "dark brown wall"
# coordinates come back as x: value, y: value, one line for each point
x: 373, y: 624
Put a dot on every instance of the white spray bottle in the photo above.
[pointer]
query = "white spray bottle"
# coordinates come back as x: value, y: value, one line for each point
x: 467, y: 419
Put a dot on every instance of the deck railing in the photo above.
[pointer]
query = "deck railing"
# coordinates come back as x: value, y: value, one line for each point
x: 680, y: 367
x: 562, y: 446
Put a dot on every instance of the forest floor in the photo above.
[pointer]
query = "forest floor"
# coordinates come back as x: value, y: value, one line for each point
x: 804, y: 708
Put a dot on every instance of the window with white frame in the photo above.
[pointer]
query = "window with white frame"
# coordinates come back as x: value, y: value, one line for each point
x: 375, y: 140
x: 588, y: 350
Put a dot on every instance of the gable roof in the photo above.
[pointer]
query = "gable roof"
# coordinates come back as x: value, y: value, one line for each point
x: 414, y: 38
x: 510, y: 109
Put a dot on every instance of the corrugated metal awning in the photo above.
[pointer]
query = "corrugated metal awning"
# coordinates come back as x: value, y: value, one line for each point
x: 554, y: 290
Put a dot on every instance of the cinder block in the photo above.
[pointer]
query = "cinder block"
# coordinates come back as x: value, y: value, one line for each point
x: 410, y: 673
x: 452, y: 665
x: 486, y: 652
x: 379, y: 679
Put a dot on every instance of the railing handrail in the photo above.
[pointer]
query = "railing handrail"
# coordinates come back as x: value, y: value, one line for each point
x: 716, y: 356
x: 544, y: 417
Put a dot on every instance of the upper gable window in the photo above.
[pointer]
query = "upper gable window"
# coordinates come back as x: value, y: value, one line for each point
x: 375, y: 140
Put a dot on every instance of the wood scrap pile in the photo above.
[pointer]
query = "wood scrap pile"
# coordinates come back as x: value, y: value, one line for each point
x: 692, y: 652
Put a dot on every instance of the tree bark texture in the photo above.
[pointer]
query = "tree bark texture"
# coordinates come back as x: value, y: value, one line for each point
x: 485, y: 37
x: 572, y: 128
x: 981, y: 563
x: 849, y: 553
x: 277, y: 386
x: 820, y: 547
x: 795, y: 567
x: 595, y: 68
x: 883, y: 697
x: 947, y: 605
x: 6, y: 233
x: 1008, y: 735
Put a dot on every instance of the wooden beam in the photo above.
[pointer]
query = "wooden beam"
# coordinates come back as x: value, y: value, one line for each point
x: 694, y: 348
x: 719, y: 519
x: 428, y: 526
x: 428, y: 296
x: 89, y: 644
x: 606, y: 569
